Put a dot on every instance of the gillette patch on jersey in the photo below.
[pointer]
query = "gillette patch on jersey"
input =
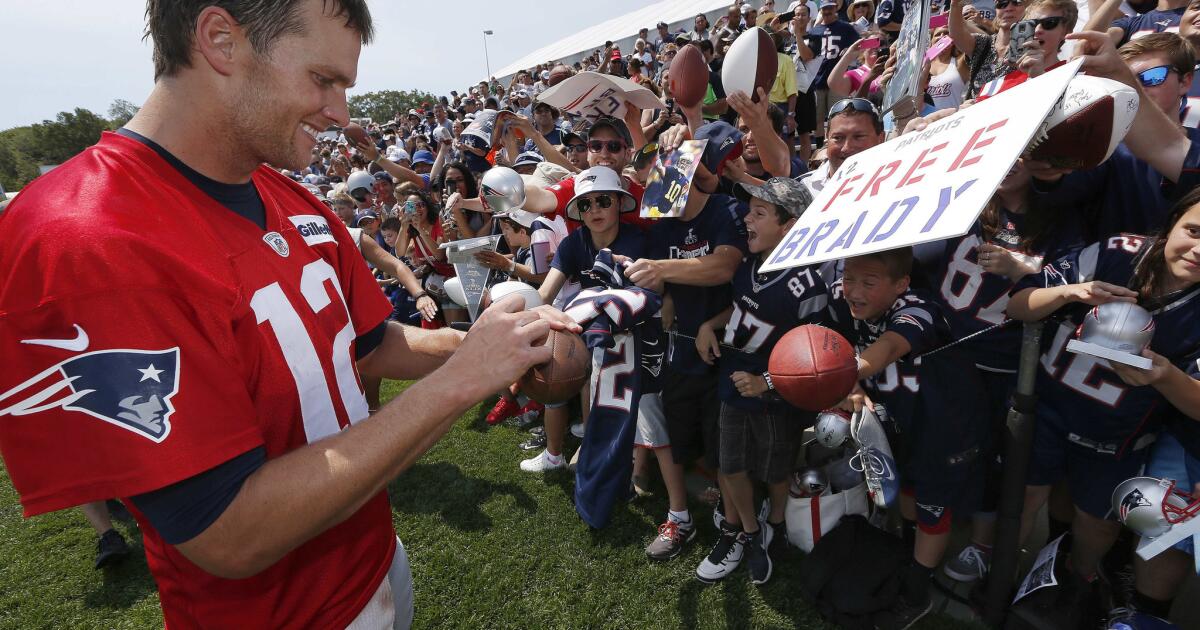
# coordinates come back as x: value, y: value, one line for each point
x: 314, y: 228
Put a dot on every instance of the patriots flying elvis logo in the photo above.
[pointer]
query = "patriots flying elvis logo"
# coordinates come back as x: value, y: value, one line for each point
x: 1132, y: 501
x: 131, y: 389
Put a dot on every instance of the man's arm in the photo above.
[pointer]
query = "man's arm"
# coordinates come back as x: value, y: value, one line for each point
x: 408, y: 352
x: 706, y: 271
x: 772, y: 149
x: 1154, y: 138
x: 293, y: 498
x: 395, y: 170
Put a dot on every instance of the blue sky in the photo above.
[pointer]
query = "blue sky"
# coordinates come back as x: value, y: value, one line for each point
x: 63, y: 54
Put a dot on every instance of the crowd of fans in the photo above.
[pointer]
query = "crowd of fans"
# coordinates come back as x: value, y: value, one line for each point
x: 416, y: 186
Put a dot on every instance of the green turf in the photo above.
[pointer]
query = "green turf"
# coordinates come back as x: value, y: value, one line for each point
x: 491, y: 547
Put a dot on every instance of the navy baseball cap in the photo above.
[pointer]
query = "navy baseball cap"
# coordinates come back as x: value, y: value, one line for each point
x: 724, y: 144
x: 617, y: 125
x: 366, y: 215
x: 384, y: 175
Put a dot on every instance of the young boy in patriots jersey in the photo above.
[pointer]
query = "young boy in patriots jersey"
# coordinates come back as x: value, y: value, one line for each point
x: 937, y: 432
x: 1094, y: 421
x: 760, y: 433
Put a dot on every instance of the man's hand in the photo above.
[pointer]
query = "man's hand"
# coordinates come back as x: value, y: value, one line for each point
x: 754, y: 114
x: 1096, y: 293
x: 1100, y: 57
x: 647, y: 274
x: 707, y: 345
x: 670, y: 139
x: 749, y: 385
x: 856, y: 401
x: 368, y: 150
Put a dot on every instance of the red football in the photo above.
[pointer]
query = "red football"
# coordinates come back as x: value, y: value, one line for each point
x: 563, y: 375
x: 689, y: 76
x: 355, y: 134
x: 1085, y: 126
x: 813, y: 367
x: 558, y: 74
x: 750, y: 63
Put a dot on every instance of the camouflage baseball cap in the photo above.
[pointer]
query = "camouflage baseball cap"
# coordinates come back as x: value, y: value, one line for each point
x: 784, y: 192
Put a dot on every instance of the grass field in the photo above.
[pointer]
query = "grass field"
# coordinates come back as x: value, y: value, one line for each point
x: 491, y: 547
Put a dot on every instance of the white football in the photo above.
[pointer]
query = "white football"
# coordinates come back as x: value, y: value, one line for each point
x: 454, y: 290
x: 750, y: 63
x: 1086, y: 124
x: 501, y: 290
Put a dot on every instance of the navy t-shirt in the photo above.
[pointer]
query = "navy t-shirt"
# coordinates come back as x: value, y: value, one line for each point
x: 577, y: 253
x: 1146, y: 23
x: 829, y: 41
x: 719, y: 223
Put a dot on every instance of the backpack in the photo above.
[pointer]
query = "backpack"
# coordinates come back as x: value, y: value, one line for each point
x: 853, y: 573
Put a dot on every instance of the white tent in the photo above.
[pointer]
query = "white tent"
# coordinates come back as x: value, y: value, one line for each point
x: 623, y: 30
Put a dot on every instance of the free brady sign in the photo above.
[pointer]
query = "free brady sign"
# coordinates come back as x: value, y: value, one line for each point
x: 922, y: 186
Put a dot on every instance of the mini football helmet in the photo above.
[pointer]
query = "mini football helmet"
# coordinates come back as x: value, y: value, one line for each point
x: 1121, y: 326
x: 810, y: 482
x: 832, y: 428
x: 360, y: 180
x: 502, y: 189
x: 1150, y: 506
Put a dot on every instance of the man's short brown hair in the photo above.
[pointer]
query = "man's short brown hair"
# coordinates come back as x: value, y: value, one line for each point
x: 898, y: 262
x: 1176, y: 48
x: 170, y: 25
x: 1068, y: 8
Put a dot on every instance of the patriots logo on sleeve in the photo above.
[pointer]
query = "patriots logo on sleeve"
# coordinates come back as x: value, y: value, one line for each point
x: 131, y: 389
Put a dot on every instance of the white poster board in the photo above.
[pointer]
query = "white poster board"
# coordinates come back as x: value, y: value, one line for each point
x: 924, y: 186
x: 593, y: 95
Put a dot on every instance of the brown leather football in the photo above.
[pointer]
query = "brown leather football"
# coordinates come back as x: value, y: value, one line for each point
x: 689, y: 76
x: 558, y: 74
x: 563, y: 375
x: 355, y: 134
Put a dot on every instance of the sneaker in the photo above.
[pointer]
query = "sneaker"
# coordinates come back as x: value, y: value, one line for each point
x: 969, y: 565
x: 777, y: 540
x: 725, y: 556
x: 671, y: 539
x: 532, y: 406
x: 1130, y: 619
x: 577, y: 430
x: 111, y: 549
x: 534, y: 443
x: 641, y: 486
x: 538, y: 430
x: 719, y: 513
x: 543, y: 463
x: 505, y: 408
x: 756, y: 555
x: 903, y: 614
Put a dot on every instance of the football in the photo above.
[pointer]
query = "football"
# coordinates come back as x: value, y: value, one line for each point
x: 355, y: 134
x: 750, y: 63
x: 560, y: 378
x: 689, y: 76
x: 813, y: 367
x: 501, y: 290
x: 558, y: 73
x: 1085, y: 125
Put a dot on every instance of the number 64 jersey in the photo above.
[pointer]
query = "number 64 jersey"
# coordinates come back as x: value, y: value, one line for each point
x: 150, y: 334
x: 1082, y: 389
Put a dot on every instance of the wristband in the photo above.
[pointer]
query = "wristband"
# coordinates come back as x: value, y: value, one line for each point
x: 421, y: 295
x: 512, y: 266
x: 767, y: 377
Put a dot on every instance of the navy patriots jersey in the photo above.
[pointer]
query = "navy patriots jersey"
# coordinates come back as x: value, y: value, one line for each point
x: 719, y: 223
x: 1155, y: 21
x: 972, y: 299
x: 576, y: 254
x: 765, y: 307
x: 1082, y: 389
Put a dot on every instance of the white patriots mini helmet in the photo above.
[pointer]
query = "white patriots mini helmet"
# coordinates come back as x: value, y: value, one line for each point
x: 1121, y: 326
x: 502, y: 189
x: 1150, y: 506
x: 832, y: 428
x: 360, y: 180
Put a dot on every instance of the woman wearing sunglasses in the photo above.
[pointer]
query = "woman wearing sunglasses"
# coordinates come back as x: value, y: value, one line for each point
x: 986, y: 53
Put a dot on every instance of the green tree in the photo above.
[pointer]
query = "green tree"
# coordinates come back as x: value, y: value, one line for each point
x: 24, y: 149
x: 385, y: 104
x: 120, y: 112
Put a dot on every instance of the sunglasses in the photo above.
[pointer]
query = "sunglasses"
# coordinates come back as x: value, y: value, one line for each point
x: 1047, y: 23
x: 613, y: 146
x: 1001, y: 4
x: 856, y: 104
x: 1154, y: 76
x: 602, y: 201
x: 576, y: 148
x: 453, y: 181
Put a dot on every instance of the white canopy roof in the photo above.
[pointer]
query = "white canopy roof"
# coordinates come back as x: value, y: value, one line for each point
x: 623, y: 30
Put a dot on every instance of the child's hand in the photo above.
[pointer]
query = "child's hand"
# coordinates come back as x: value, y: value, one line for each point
x: 1137, y: 376
x: 749, y: 385
x: 857, y: 399
x: 1096, y: 293
x: 707, y: 345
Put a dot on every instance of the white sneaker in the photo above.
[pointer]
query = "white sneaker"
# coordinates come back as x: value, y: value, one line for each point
x: 577, y: 430
x: 725, y: 556
x: 542, y: 463
x: 970, y: 565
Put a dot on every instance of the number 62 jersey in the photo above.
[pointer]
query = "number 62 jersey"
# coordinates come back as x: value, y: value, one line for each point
x: 1081, y: 388
x: 150, y: 334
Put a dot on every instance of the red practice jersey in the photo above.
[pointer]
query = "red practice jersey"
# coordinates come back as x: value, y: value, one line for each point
x: 150, y: 334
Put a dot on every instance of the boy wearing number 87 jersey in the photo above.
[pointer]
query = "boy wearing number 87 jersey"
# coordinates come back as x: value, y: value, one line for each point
x: 759, y: 432
x: 937, y: 434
